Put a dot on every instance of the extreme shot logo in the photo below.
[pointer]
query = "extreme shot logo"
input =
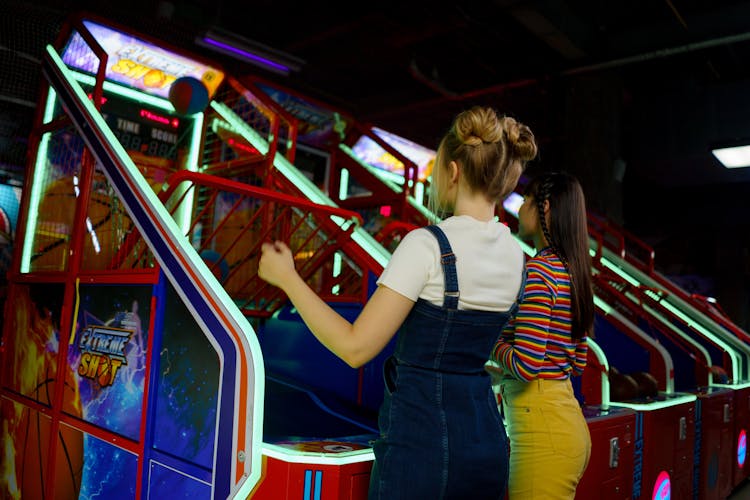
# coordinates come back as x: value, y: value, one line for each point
x: 102, y: 353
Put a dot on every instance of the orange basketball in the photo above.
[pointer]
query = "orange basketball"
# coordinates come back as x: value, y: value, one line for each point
x: 621, y: 387
x: 648, y: 386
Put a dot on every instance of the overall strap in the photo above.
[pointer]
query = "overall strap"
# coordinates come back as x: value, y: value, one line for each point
x: 519, y: 297
x: 448, y: 261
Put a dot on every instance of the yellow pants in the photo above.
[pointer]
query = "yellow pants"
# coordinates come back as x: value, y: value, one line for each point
x: 550, y: 444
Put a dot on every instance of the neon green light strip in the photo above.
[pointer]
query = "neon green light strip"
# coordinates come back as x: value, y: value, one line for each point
x: 738, y: 385
x: 343, y: 184
x: 602, y: 305
x: 301, y: 181
x: 394, y: 181
x: 156, y: 205
x: 126, y: 92
x: 731, y: 351
x: 365, y: 240
x: 686, y: 336
x: 302, y: 457
x: 184, y: 216
x: 336, y: 271
x: 340, y: 221
x: 609, y: 265
x: 673, y: 400
x: 607, y: 309
x: 527, y: 249
x: 309, y: 189
x: 602, y: 358
x: 419, y: 193
x: 690, y: 322
x: 240, y: 127
x: 431, y: 217
x: 40, y: 174
x: 195, y: 141
x: 666, y: 357
x: 375, y: 249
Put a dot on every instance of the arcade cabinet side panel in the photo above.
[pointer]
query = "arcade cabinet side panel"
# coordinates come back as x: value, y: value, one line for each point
x: 109, y: 351
x: 184, y: 407
x: 666, y: 452
x: 740, y: 468
x: 609, y: 474
x: 30, y: 360
x: 715, y: 452
x: 84, y: 387
x: 290, y: 480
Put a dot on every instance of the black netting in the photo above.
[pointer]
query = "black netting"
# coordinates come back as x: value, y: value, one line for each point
x: 25, y: 30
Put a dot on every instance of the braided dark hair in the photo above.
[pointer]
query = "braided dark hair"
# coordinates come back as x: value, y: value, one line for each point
x: 543, y: 194
x: 566, y: 233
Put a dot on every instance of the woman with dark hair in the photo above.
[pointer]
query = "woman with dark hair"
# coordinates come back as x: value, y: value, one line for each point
x: 545, y: 343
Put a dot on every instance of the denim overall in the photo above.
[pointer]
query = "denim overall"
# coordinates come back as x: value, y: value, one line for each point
x: 441, y: 436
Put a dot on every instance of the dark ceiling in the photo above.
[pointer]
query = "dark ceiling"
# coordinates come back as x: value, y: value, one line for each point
x: 670, y: 77
x: 630, y: 95
x: 655, y: 83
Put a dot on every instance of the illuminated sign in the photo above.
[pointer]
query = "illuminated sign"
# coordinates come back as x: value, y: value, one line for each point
x: 103, y: 353
x: 371, y: 153
x: 662, y: 487
x: 135, y: 63
x: 315, y: 126
x: 512, y: 203
x: 742, y: 448
x: 164, y: 120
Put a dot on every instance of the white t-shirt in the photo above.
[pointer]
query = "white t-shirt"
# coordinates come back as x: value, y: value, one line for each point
x: 489, y: 265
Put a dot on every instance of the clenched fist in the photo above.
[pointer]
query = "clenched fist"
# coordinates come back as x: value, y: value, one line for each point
x: 276, y: 264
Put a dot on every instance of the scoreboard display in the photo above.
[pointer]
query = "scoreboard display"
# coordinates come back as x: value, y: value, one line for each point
x: 146, y: 131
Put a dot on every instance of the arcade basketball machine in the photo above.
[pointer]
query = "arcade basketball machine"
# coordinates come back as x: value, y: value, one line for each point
x: 701, y: 362
x: 664, y: 433
x: 632, y: 260
x: 128, y: 370
x: 86, y: 408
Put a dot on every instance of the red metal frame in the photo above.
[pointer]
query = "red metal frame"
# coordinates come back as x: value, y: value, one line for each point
x: 623, y: 240
x: 381, y: 193
x: 609, y: 283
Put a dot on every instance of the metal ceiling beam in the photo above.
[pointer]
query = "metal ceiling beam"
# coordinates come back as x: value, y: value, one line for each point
x: 553, y: 22
x: 615, y: 63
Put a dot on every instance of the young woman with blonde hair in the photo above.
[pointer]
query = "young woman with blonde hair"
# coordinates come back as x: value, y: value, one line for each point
x: 447, y: 291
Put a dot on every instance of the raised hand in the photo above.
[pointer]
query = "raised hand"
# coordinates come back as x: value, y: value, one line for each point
x: 276, y: 264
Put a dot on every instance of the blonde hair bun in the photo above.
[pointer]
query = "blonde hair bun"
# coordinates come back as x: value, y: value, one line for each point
x: 520, y: 139
x: 491, y: 151
x: 477, y: 126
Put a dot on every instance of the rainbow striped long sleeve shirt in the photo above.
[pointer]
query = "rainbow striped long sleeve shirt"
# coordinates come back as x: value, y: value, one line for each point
x: 536, y: 343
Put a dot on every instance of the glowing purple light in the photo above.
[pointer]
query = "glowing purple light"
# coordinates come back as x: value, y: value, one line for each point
x: 245, y: 54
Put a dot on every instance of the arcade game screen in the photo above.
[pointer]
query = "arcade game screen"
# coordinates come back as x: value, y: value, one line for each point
x: 371, y: 153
